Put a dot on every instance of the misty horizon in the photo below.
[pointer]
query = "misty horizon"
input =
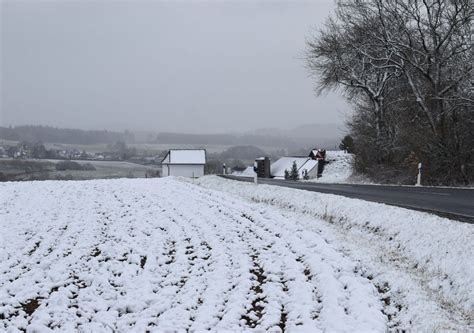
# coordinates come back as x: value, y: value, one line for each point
x: 267, y: 131
x: 187, y: 67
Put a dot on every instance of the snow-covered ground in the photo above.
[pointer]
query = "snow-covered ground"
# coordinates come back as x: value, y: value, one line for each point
x: 248, y: 172
x: 421, y: 264
x: 338, y: 170
x: 132, y: 255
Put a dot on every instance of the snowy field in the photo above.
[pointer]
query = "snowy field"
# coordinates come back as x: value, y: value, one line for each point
x: 46, y: 169
x: 421, y: 265
x: 132, y: 255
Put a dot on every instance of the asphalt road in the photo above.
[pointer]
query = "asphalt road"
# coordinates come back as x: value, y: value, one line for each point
x: 454, y: 203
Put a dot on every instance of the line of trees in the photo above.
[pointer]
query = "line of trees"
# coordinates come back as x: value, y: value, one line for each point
x: 406, y: 66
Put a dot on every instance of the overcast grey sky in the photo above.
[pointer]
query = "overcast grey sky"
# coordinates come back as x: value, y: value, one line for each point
x: 189, y: 66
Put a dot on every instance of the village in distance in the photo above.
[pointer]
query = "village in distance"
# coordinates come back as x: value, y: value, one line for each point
x: 41, y: 153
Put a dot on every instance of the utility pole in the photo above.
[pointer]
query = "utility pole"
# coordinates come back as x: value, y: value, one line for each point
x: 418, y: 179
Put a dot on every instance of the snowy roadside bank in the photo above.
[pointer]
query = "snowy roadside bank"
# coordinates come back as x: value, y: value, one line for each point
x: 434, y: 252
x: 339, y: 169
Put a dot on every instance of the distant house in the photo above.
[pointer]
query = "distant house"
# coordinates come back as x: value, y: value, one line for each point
x: 305, y: 165
x: 318, y: 154
x: 184, y: 162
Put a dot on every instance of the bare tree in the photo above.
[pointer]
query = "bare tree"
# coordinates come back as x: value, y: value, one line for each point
x: 409, y: 63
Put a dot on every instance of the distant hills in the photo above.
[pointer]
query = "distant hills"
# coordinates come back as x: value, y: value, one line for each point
x: 226, y: 139
x: 63, y: 135
x: 310, y: 135
x: 328, y: 131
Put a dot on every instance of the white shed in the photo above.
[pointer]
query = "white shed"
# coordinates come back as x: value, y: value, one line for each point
x: 184, y: 162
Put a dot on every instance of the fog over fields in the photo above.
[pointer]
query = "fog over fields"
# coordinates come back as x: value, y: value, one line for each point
x: 188, y: 67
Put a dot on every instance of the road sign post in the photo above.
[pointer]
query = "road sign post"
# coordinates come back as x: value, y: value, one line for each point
x: 418, y: 179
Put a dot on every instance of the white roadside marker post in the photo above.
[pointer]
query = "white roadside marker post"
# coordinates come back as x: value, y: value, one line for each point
x: 418, y: 179
x: 255, y: 177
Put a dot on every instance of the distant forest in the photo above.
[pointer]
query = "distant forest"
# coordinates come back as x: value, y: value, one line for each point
x: 63, y: 135
x: 82, y: 137
x: 48, y: 134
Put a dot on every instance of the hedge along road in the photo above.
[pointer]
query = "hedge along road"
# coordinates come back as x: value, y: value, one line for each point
x: 455, y: 203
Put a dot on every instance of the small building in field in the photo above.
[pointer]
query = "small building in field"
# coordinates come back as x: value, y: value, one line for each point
x: 184, y: 162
